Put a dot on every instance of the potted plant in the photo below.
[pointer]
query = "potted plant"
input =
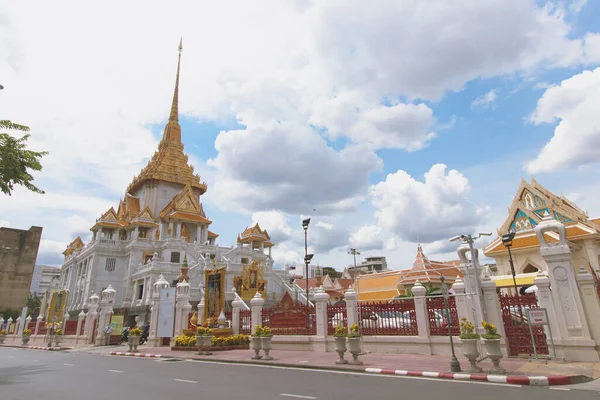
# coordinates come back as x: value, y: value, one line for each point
x: 204, y: 337
x: 491, y: 339
x: 134, y: 339
x: 58, y: 336
x: 25, y: 336
x: 469, y: 340
x: 339, y: 335
x: 256, y: 342
x: 2, y: 335
x: 354, y: 344
x: 265, y: 340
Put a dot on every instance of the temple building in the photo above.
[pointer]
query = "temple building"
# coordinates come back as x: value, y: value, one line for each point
x: 160, y: 227
x: 531, y: 203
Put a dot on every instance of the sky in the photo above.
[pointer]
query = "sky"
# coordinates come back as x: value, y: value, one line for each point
x: 388, y: 123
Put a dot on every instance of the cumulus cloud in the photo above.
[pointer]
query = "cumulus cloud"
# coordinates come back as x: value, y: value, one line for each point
x: 275, y: 223
x: 50, y: 252
x: 486, y: 100
x: 432, y: 210
x: 576, y: 139
x: 366, y: 238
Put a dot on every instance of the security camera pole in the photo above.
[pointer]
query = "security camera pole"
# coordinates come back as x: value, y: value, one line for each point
x: 307, y: 257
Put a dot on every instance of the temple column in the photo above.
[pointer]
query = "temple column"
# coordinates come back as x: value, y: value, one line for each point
x: 136, y: 233
x: 256, y: 304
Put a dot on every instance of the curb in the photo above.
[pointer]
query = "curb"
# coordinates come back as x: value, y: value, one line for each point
x: 46, y: 348
x: 513, y: 380
x: 122, y: 353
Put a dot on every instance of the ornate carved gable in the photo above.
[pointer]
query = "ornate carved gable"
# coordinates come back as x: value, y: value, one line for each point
x: 533, y: 202
x: 146, y: 214
x: 75, y: 245
x: 185, y: 202
x: 110, y: 215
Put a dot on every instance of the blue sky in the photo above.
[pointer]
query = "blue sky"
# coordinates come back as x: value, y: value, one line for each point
x: 335, y: 111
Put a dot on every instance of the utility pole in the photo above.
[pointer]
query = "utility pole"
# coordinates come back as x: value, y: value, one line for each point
x: 354, y: 252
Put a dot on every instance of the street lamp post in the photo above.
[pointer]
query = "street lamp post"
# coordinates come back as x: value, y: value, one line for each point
x: 354, y: 252
x: 507, y: 241
x: 307, y: 257
x: 454, y: 363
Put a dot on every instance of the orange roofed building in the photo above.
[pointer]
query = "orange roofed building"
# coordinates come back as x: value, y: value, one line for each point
x: 531, y: 203
x: 158, y: 226
x: 387, y: 285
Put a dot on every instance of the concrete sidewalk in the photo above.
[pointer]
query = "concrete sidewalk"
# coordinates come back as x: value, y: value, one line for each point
x: 578, y: 372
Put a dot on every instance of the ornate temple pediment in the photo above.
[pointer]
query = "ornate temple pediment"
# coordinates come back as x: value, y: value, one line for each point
x: 251, y: 281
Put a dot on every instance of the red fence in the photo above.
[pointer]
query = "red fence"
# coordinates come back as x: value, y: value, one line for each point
x: 31, y: 327
x: 388, y: 318
x: 70, y: 327
x: 439, y: 318
x: 516, y: 325
x: 336, y: 315
x: 245, y: 322
x: 291, y: 319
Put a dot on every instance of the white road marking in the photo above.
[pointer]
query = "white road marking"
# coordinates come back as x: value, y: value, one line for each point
x: 35, y: 360
x: 185, y: 380
x: 358, y: 373
x: 559, y: 388
x: 298, y: 396
x: 115, y: 370
x: 302, y: 362
x: 69, y: 365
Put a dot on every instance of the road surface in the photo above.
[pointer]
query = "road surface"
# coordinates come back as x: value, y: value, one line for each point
x: 33, y: 374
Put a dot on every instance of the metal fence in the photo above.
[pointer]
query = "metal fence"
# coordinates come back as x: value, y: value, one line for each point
x: 336, y: 315
x: 440, y: 317
x: 388, y: 318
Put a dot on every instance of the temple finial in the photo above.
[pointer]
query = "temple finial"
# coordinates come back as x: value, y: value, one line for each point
x: 172, y: 133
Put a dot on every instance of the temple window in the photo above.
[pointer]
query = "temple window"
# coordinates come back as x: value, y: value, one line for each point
x: 175, y: 257
x: 244, y: 260
x: 110, y: 264
x: 140, y: 291
x: 529, y: 269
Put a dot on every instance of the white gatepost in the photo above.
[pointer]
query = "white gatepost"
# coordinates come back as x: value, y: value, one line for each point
x: 182, y: 307
x: 80, y: 319
x: 351, y: 306
x: 256, y: 303
x: 236, y: 306
x: 18, y: 323
x: 64, y: 322
x: 591, y: 305
x: 107, y: 299
x: 576, y: 340
x: 27, y: 322
x: 418, y: 291
x: 491, y: 300
x: 473, y: 295
x: 462, y: 308
x: 321, y: 301
x: 1, y: 323
x: 544, y: 299
x: 200, y: 306
x: 91, y: 317
x: 160, y: 284
x: 38, y: 321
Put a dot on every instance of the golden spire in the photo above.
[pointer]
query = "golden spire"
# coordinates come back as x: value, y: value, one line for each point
x: 172, y: 133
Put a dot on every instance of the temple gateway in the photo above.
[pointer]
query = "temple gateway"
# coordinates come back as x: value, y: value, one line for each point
x: 160, y: 228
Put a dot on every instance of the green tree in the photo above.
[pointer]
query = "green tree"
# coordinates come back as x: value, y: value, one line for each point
x: 33, y: 301
x: 16, y: 160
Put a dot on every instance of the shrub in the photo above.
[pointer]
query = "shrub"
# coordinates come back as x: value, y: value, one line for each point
x: 258, y: 331
x: 491, y: 332
x: 59, y: 332
x: 354, y: 331
x: 137, y: 331
x: 467, y: 330
x: 2, y: 331
x: 203, y: 331
x: 185, y: 340
x: 26, y: 332
x: 340, y: 331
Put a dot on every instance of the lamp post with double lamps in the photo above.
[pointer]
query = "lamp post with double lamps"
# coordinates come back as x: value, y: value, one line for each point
x: 507, y: 242
x: 307, y: 257
x: 354, y: 252
x: 454, y: 364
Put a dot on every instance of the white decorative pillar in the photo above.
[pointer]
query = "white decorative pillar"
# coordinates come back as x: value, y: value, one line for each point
x: 572, y: 323
x: 107, y: 300
x: 1, y: 323
x: 418, y: 291
x: 591, y: 305
x: 38, y: 321
x: 64, y: 322
x: 201, y: 304
x: 351, y: 306
x: 80, y: 319
x: 256, y: 303
x: 17, y: 325
x: 91, y: 317
x: 182, y: 307
x: 491, y: 300
x: 27, y: 322
x: 461, y: 302
x: 321, y: 301
x: 236, y: 305
x: 160, y: 284
x: 473, y: 294
x: 544, y: 298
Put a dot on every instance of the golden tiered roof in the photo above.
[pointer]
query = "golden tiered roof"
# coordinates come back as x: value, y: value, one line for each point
x: 184, y: 206
x: 255, y: 234
x: 75, y: 245
x: 170, y: 163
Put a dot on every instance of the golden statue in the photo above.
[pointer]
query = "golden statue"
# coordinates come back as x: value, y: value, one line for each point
x: 185, y: 233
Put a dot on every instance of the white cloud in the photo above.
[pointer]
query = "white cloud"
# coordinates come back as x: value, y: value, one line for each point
x: 576, y: 140
x: 432, y: 210
x: 5, y: 224
x: 275, y: 223
x: 486, y: 100
x: 367, y: 237
x: 50, y: 252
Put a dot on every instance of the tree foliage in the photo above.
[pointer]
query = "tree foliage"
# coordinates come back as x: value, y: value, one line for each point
x: 33, y: 301
x: 16, y: 161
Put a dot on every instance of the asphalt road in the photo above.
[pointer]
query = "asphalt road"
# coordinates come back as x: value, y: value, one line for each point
x: 30, y: 374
